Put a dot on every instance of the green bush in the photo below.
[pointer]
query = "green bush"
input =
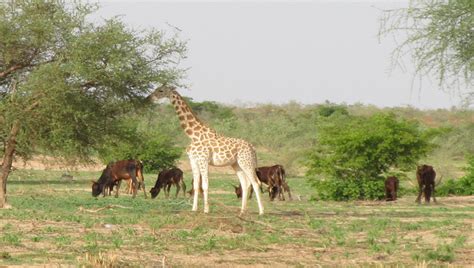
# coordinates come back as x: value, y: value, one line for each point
x: 354, y: 152
x: 350, y: 189
x: 461, y: 186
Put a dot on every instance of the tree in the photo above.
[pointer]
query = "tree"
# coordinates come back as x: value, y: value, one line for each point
x: 439, y: 39
x: 155, y: 150
x: 65, y: 83
x: 352, y: 153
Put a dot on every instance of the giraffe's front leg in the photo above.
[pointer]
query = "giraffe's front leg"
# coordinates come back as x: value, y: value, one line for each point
x: 196, y: 182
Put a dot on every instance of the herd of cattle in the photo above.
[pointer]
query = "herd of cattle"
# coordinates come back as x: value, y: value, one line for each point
x: 132, y: 172
x: 273, y: 177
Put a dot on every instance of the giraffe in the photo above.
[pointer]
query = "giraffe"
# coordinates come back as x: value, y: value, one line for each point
x: 207, y: 147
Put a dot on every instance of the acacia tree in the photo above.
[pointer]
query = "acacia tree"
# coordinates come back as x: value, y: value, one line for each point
x: 439, y: 39
x: 65, y: 82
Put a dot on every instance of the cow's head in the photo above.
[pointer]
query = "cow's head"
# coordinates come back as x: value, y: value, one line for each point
x: 274, y: 192
x: 96, y: 189
x: 155, y: 191
x: 238, y: 191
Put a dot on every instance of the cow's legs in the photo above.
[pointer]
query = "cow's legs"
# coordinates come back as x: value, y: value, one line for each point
x: 167, y: 190
x: 118, y: 188
x: 280, y: 194
x: 433, y: 193
x: 134, y: 183
x: 183, y: 187
x: 143, y: 186
x: 142, y: 180
x: 287, y: 189
x: 178, y: 187
x: 418, y: 199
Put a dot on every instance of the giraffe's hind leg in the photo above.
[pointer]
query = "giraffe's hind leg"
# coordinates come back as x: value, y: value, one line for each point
x: 245, y: 183
x: 249, y: 168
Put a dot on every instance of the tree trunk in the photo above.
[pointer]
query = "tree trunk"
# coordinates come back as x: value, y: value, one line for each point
x: 9, y: 152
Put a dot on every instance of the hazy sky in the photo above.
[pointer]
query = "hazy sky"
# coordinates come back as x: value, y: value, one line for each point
x: 276, y: 51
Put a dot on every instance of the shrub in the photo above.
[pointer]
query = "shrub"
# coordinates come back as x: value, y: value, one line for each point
x: 353, y: 152
x: 461, y: 186
x: 350, y: 189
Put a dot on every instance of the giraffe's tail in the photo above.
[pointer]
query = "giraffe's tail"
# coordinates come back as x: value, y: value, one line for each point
x: 258, y: 180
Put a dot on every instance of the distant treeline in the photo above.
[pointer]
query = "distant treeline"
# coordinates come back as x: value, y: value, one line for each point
x: 286, y: 133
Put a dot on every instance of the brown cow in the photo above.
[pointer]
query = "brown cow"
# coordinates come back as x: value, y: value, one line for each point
x: 274, y: 178
x: 425, y: 175
x: 115, y: 172
x: 166, y: 178
x: 391, y: 188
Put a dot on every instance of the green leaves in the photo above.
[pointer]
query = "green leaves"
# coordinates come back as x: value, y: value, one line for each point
x: 439, y: 39
x: 70, y: 82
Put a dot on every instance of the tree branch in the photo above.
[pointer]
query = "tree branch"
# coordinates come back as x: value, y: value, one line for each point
x: 11, y: 70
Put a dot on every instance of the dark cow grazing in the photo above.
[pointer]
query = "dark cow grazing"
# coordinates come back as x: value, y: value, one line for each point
x: 425, y: 175
x: 166, y: 178
x: 113, y: 175
x: 274, y: 178
x: 391, y: 188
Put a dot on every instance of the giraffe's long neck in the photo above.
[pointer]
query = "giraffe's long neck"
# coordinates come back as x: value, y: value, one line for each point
x: 191, y: 125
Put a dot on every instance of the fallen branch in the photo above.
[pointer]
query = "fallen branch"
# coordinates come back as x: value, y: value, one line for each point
x: 257, y: 222
x: 99, y: 209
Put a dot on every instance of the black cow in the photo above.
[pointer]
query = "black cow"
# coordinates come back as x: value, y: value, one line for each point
x: 391, y: 188
x: 166, y: 178
x: 425, y: 175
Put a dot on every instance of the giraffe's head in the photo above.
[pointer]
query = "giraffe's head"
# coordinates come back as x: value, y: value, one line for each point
x: 164, y: 91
